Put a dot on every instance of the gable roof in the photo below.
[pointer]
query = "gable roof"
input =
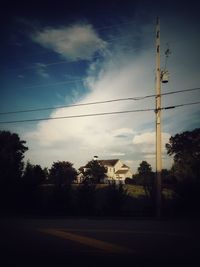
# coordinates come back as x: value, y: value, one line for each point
x: 108, y: 162
x: 81, y: 168
x: 125, y: 166
x: 121, y: 171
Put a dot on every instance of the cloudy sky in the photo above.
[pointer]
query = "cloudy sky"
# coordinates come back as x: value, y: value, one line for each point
x: 62, y: 53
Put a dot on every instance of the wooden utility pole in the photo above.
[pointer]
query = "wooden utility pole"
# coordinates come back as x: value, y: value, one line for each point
x: 158, y: 122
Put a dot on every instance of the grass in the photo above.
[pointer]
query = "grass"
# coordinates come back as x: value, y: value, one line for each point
x: 135, y: 191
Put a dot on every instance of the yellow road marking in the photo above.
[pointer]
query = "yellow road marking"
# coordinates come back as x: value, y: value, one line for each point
x: 126, y: 232
x: 108, y: 247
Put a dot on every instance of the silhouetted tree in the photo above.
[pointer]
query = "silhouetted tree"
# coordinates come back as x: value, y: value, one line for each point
x: 12, y: 151
x: 46, y: 173
x: 129, y: 180
x: 168, y: 179
x: 86, y: 198
x: 115, y: 198
x: 33, y: 175
x: 146, y: 178
x: 62, y: 173
x: 185, y: 148
x: 30, y: 196
x: 95, y: 172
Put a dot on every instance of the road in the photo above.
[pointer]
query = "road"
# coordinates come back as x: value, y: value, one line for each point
x: 98, y: 242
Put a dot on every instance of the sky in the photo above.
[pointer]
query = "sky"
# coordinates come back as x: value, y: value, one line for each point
x: 58, y: 53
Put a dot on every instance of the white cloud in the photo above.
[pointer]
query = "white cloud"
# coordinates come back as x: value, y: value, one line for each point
x: 145, y: 142
x: 122, y: 132
x: 79, y: 139
x: 117, y: 154
x: 130, y: 136
x: 78, y: 41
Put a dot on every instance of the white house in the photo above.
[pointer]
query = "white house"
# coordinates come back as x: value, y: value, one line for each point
x: 117, y: 171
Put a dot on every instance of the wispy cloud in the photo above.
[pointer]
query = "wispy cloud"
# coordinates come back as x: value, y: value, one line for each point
x: 78, y: 41
x: 41, y: 70
x: 20, y: 76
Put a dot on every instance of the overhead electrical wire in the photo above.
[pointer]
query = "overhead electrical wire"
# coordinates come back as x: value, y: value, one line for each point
x: 72, y: 105
x: 98, y: 28
x: 181, y: 105
x: 57, y: 83
x: 109, y: 41
x: 79, y: 116
x: 99, y: 102
x: 181, y: 91
x: 44, y: 65
x: 97, y: 114
x: 115, y: 25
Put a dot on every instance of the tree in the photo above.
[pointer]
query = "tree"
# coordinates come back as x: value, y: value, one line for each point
x: 33, y: 175
x: 95, y: 172
x: 62, y: 173
x: 129, y: 181
x: 168, y: 179
x: 30, y: 196
x: 146, y: 177
x: 185, y: 148
x: 116, y: 196
x: 86, y: 199
x: 12, y: 151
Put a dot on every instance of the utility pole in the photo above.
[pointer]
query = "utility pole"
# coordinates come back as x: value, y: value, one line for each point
x: 158, y: 122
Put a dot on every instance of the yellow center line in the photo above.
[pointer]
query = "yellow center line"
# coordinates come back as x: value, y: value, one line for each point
x: 126, y: 232
x: 102, y: 245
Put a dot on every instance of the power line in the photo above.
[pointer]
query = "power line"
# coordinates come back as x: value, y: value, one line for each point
x: 68, y: 106
x: 116, y: 25
x: 181, y: 105
x: 98, y: 114
x: 180, y: 91
x: 67, y: 61
x: 98, y: 102
x: 57, y: 83
x: 109, y: 41
x: 79, y: 116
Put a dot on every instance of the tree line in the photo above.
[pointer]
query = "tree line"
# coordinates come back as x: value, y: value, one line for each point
x: 31, y: 188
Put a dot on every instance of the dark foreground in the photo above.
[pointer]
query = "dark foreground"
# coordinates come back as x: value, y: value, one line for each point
x: 102, y: 242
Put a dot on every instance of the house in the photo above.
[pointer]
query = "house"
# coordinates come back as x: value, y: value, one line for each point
x: 117, y: 171
x: 80, y: 177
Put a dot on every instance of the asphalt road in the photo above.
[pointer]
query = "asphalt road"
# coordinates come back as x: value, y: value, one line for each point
x: 102, y: 242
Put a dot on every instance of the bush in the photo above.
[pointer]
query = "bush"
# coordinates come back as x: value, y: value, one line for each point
x: 115, y: 198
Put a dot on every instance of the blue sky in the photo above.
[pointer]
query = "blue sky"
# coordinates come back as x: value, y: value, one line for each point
x: 63, y: 53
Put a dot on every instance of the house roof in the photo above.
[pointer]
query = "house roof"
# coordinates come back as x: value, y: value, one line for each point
x: 109, y: 162
x: 121, y: 171
x: 125, y: 166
